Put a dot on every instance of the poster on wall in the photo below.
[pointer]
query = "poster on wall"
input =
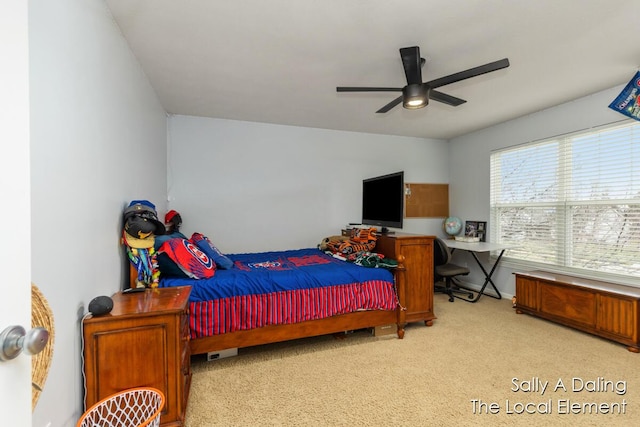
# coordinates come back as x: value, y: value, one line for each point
x: 628, y: 102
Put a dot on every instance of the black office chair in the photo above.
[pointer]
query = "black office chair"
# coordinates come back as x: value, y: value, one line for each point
x: 443, y: 269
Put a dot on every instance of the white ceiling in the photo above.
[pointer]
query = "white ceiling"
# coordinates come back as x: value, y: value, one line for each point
x: 279, y: 61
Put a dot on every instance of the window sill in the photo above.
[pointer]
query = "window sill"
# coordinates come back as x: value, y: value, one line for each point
x: 519, y: 265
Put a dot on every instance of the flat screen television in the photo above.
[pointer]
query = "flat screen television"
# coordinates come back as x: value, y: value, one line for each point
x: 383, y: 201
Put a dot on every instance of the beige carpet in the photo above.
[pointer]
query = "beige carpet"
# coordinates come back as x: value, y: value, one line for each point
x: 472, y: 352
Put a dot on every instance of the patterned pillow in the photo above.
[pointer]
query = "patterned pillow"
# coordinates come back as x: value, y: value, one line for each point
x: 191, y: 260
x: 168, y: 268
x: 205, y: 245
x: 161, y: 239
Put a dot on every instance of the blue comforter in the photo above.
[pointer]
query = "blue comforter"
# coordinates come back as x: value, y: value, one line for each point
x: 267, y: 272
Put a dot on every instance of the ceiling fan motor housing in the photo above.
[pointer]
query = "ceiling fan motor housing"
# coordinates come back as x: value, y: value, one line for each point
x: 415, y: 96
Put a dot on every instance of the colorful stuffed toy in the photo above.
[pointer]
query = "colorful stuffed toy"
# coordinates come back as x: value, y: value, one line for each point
x: 361, y: 239
x: 324, y: 244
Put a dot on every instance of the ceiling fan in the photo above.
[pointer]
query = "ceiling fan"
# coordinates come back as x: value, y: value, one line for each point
x: 416, y: 93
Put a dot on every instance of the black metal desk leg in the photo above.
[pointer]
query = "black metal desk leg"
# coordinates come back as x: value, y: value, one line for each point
x: 487, y: 276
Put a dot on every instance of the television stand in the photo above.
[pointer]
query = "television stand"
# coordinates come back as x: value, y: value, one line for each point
x: 416, y: 255
x: 385, y: 230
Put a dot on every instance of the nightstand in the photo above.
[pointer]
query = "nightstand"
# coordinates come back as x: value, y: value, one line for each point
x: 142, y: 342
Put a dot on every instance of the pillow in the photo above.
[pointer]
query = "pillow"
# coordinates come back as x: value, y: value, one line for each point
x: 191, y: 260
x: 163, y: 238
x: 205, y: 245
x: 168, y: 268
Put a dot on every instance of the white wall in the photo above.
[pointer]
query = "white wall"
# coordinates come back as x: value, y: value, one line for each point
x: 469, y: 161
x: 98, y: 140
x: 254, y: 187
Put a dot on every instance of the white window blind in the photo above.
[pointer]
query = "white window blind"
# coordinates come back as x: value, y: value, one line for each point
x: 571, y: 202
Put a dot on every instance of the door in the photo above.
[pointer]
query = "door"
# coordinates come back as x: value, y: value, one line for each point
x: 15, y: 215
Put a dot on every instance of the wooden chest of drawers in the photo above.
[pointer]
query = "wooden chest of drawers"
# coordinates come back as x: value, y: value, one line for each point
x: 416, y: 252
x: 143, y: 342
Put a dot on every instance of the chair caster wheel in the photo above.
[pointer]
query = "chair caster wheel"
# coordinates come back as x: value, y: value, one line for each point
x: 450, y: 299
x: 470, y: 296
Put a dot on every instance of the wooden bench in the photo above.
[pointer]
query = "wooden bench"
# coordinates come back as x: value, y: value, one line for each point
x: 604, y: 309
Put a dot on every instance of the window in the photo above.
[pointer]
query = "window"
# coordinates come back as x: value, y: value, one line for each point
x: 571, y: 202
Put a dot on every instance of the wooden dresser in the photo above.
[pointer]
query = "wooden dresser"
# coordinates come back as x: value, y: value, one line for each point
x: 143, y: 342
x: 605, y: 309
x: 417, y: 251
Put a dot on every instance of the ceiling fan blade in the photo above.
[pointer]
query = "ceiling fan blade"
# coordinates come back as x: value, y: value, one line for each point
x: 445, y: 99
x: 472, y: 72
x: 411, y: 62
x: 390, y: 105
x: 368, y: 89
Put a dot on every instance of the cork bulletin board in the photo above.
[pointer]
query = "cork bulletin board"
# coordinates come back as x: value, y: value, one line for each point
x: 426, y: 200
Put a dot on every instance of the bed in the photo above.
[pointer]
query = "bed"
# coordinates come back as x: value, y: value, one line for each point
x: 276, y: 296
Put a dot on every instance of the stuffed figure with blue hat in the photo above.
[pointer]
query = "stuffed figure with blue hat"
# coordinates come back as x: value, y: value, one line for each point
x: 141, y: 225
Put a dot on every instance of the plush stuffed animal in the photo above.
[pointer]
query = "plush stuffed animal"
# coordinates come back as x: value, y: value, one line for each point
x: 327, y: 241
x: 361, y: 239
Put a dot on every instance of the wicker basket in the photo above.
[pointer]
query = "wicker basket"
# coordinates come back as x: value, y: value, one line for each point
x: 41, y: 316
x: 135, y: 407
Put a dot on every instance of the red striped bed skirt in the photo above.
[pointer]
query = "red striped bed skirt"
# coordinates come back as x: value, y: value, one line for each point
x: 219, y: 316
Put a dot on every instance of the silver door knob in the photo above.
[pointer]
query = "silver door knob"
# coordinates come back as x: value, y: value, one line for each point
x: 14, y: 340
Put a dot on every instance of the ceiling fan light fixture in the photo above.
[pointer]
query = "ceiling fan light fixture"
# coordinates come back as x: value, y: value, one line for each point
x: 415, y: 96
x: 417, y: 93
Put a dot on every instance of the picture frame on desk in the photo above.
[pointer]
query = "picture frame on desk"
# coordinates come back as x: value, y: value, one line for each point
x: 476, y: 229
